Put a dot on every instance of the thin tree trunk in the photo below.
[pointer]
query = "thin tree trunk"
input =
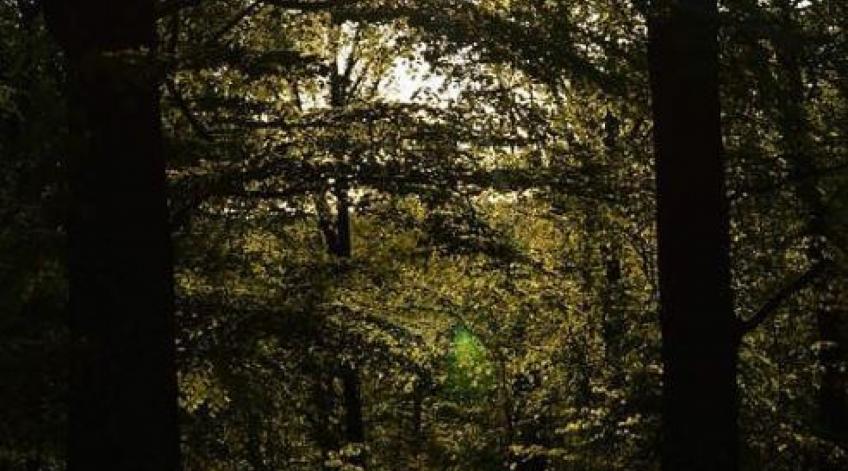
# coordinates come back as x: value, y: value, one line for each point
x: 613, y: 324
x: 699, y: 329
x: 123, y: 404
x: 337, y: 235
x: 338, y: 239
x: 354, y: 426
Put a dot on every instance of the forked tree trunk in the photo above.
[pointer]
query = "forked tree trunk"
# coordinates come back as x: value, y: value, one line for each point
x: 699, y: 329
x: 123, y: 404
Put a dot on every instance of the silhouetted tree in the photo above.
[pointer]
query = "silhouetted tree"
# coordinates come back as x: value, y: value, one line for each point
x: 123, y: 393
x: 699, y: 349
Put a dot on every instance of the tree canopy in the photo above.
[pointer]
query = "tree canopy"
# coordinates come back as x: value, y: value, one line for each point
x: 424, y: 234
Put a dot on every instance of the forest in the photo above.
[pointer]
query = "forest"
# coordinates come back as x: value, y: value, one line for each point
x: 423, y: 235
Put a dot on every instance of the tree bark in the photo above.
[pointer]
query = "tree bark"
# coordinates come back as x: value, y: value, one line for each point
x: 123, y: 401
x: 337, y: 235
x: 354, y: 426
x: 699, y: 328
x: 342, y: 248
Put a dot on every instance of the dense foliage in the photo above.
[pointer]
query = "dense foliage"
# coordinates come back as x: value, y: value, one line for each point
x: 421, y: 234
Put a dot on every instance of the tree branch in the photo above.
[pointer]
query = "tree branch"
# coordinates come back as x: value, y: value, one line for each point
x: 168, y: 7
x: 235, y: 21
x: 195, y: 123
x: 786, y: 292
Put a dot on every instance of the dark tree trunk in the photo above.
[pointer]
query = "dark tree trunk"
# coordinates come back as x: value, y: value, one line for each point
x: 613, y: 326
x: 123, y: 404
x: 699, y: 329
x: 833, y: 403
x: 354, y: 426
x: 338, y: 239
x: 337, y: 235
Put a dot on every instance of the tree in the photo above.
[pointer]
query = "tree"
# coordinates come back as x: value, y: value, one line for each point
x: 699, y: 329
x: 32, y: 283
x: 485, y: 292
x: 123, y: 389
x: 812, y: 190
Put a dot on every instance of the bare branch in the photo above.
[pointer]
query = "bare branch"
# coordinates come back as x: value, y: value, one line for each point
x: 783, y: 294
x: 195, y: 123
x: 235, y: 21
x: 169, y: 7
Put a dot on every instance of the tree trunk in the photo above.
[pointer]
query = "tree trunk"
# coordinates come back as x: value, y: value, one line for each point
x: 354, y: 426
x: 699, y: 329
x: 123, y: 402
x: 338, y: 239
x: 612, y: 292
x: 337, y: 235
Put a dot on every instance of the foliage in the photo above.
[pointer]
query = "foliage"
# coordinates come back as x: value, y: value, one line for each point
x: 499, y: 305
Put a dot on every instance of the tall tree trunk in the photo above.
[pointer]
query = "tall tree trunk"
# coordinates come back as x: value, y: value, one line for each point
x: 699, y: 329
x: 354, y: 426
x: 123, y: 404
x: 338, y: 239
x: 611, y: 293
